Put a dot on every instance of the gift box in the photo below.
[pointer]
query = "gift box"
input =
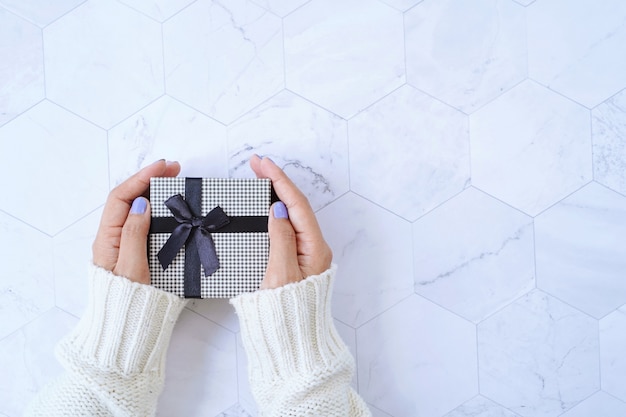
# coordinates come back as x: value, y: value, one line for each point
x: 208, y: 236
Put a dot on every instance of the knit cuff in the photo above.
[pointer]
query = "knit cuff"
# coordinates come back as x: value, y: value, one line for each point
x: 290, y: 330
x: 125, y: 328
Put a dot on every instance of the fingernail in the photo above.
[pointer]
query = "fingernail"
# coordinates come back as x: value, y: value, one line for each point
x: 139, y: 206
x: 280, y: 210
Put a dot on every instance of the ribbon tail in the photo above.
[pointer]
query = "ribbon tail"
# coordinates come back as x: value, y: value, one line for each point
x: 173, y: 244
x: 206, y: 251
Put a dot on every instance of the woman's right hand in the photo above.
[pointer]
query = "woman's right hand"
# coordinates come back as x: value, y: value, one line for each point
x: 297, y: 247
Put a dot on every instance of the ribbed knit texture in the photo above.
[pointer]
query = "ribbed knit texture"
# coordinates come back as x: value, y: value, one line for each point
x: 115, y: 357
x: 298, y: 364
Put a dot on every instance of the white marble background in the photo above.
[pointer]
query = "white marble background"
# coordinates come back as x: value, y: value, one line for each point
x: 467, y: 161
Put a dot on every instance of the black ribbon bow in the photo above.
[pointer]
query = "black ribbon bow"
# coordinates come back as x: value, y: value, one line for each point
x: 193, y: 231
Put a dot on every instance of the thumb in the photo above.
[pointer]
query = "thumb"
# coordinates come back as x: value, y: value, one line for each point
x: 132, y: 261
x: 282, y: 266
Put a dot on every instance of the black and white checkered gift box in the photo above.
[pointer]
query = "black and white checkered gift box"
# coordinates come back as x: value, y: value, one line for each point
x: 242, y: 247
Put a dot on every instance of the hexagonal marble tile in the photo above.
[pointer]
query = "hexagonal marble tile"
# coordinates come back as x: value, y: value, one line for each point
x: 373, y: 250
x: 308, y: 142
x: 608, y: 131
x: 281, y: 7
x: 530, y: 147
x: 39, y: 142
x: 40, y: 12
x: 201, y: 369
x: 168, y: 129
x: 402, y: 5
x: 72, y: 255
x: 581, y: 61
x: 22, y: 75
x: 377, y: 412
x: 158, y: 9
x: 473, y: 255
x: 27, y: 359
x: 581, y: 256
x: 480, y: 406
x: 26, y: 287
x: 236, y: 410
x: 612, y: 348
x: 599, y: 404
x: 344, y: 55
x: 538, y: 356
x: 246, y: 400
x: 101, y: 74
x: 465, y: 54
x: 417, y: 359
x: 223, y: 58
x: 218, y: 310
x: 409, y: 152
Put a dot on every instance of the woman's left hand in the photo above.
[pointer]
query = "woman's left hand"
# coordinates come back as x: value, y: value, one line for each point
x: 121, y: 243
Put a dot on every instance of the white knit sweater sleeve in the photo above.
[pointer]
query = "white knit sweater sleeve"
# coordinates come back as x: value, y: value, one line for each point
x: 115, y: 357
x: 297, y: 363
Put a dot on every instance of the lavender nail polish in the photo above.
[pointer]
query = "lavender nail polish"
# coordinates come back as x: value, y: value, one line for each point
x: 280, y: 211
x: 139, y: 206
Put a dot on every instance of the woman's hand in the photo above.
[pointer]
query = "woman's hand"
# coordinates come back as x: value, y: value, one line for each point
x: 297, y: 247
x: 120, y: 245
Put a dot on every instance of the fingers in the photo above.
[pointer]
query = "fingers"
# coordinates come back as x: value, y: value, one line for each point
x: 301, y: 214
x: 132, y: 261
x: 314, y: 254
x: 107, y: 242
x: 121, y: 197
x: 282, y: 266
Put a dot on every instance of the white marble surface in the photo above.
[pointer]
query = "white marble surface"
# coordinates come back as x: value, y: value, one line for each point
x: 578, y: 60
x: 27, y: 360
x: 581, y: 256
x: 417, y: 359
x: 473, y: 255
x: 41, y: 12
x: 373, y: 250
x: 48, y: 130
x: 223, y: 59
x: 281, y: 7
x: 344, y: 55
x: 201, y: 369
x: 402, y: 5
x: 599, y: 404
x: 158, y: 9
x: 245, y: 393
x: 308, y: 142
x: 99, y: 73
x: 608, y: 124
x: 480, y: 406
x: 480, y: 144
x: 531, y: 147
x: 538, y: 356
x: 172, y: 130
x: 466, y: 53
x: 72, y: 256
x: 408, y: 140
x: 612, y: 358
x: 21, y: 71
